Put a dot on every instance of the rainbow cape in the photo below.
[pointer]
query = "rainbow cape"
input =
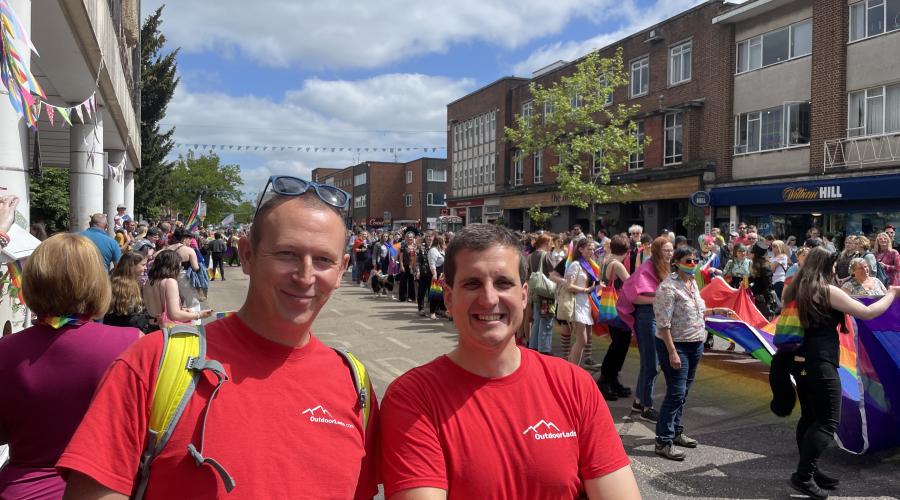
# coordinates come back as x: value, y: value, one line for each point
x: 869, y: 369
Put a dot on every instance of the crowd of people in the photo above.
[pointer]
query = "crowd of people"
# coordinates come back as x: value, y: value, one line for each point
x: 75, y: 415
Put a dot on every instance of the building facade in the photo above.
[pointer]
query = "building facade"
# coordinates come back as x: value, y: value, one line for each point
x: 822, y: 147
x: 678, y: 75
x: 389, y: 194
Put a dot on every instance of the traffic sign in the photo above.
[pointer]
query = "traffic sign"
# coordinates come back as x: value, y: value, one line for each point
x: 700, y: 198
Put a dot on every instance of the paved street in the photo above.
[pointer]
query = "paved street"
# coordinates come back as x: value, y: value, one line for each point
x: 745, y: 451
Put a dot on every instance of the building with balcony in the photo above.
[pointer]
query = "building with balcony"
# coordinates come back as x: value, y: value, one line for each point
x: 816, y: 117
x: 679, y: 74
x: 389, y: 194
x: 89, y: 66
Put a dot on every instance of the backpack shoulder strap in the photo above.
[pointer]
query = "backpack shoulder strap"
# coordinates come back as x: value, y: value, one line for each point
x: 182, y: 361
x: 361, y: 383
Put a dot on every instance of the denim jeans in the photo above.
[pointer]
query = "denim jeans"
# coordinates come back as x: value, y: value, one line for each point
x: 645, y: 329
x: 541, y: 329
x: 819, y: 393
x: 678, y: 384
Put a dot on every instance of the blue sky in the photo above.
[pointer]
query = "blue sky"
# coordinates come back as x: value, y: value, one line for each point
x: 353, y: 74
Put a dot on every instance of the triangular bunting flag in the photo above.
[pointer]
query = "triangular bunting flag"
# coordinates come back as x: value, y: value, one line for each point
x: 77, y: 110
x: 51, y: 111
x: 87, y: 108
x: 64, y: 112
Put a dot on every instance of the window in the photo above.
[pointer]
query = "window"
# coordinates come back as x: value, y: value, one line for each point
x: 359, y: 202
x: 680, y: 63
x: 873, y: 17
x: 549, y: 108
x: 597, y: 164
x: 539, y: 167
x: 773, y: 128
x: 437, y: 175
x: 407, y: 200
x: 527, y: 109
x: 636, y: 160
x: 576, y: 100
x: 359, y: 179
x: 775, y: 46
x: 517, y: 168
x: 640, y: 77
x: 674, y: 134
x: 429, y: 199
x: 874, y: 111
x: 609, y: 97
x: 409, y: 176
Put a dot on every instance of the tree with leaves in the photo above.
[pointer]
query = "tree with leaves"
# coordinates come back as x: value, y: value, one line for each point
x: 538, y: 217
x: 153, y: 183
x: 579, y: 126
x: 204, y: 175
x: 50, y: 199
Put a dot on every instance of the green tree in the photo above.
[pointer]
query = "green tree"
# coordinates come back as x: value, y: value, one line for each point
x: 153, y: 184
x: 205, y: 175
x: 538, y: 217
x: 579, y: 126
x: 50, y: 199
x: 243, y: 213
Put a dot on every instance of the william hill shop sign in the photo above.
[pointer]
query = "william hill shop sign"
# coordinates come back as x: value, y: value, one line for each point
x: 811, y: 193
x: 807, y: 194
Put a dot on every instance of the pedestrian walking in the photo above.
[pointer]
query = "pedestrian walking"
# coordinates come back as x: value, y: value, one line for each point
x: 217, y: 248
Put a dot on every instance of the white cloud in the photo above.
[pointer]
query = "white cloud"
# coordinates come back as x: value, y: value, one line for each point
x: 360, y: 33
x: 636, y: 19
x: 385, y: 111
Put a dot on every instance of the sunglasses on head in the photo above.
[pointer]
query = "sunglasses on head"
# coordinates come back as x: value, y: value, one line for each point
x: 286, y: 185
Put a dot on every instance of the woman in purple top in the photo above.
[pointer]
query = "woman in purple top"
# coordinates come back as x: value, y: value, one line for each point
x: 48, y: 373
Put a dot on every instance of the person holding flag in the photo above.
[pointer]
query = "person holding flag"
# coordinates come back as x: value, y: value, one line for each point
x: 582, y: 274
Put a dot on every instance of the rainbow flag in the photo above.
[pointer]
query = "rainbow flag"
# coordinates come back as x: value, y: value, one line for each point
x: 224, y: 314
x: 15, y: 278
x: 193, y: 221
x: 704, y: 275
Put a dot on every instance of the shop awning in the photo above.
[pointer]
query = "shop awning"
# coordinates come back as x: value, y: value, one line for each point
x: 842, y: 189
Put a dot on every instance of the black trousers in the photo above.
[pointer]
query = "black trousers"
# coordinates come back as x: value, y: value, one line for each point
x: 217, y: 262
x: 407, y: 285
x: 422, y: 292
x: 620, y: 341
x: 819, y: 392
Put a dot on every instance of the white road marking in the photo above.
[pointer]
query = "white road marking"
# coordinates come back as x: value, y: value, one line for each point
x: 378, y: 372
x: 401, y: 344
x: 326, y: 333
x: 363, y: 325
x: 742, y: 361
x: 336, y: 311
x: 388, y: 364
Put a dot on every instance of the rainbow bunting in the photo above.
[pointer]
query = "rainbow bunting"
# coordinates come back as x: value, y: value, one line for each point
x: 16, y: 77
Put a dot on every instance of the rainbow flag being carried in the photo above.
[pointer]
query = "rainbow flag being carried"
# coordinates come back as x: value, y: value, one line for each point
x: 193, y: 221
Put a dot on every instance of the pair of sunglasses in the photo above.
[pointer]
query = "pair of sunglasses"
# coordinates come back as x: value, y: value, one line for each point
x: 286, y: 185
x: 691, y: 261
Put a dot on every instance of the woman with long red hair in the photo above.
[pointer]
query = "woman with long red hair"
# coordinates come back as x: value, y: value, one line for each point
x: 635, y: 308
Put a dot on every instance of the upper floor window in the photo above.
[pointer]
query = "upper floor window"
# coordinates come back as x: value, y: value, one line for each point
x: 674, y: 138
x: 609, y: 97
x: 409, y: 176
x: 636, y: 160
x: 680, y: 63
x: 407, y: 200
x: 517, y: 168
x: 873, y: 17
x: 640, y: 77
x: 539, y: 167
x: 437, y: 175
x: 549, y: 108
x: 775, y: 46
x: 359, y: 202
x: 527, y: 109
x: 431, y: 201
x: 359, y: 179
x: 597, y: 164
x: 576, y: 100
x: 874, y: 111
x: 773, y: 128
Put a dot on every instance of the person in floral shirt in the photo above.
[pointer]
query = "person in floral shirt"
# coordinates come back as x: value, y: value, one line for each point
x: 860, y: 282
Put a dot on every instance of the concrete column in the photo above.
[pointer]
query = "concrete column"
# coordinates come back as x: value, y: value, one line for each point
x: 86, y: 167
x: 129, y: 193
x: 13, y: 132
x: 733, y: 218
x: 113, y: 187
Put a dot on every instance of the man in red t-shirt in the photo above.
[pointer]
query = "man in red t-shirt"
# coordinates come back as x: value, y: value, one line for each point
x: 287, y: 424
x: 491, y: 419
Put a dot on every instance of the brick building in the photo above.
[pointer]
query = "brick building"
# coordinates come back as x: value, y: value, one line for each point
x: 389, y: 194
x: 680, y: 75
x: 822, y: 146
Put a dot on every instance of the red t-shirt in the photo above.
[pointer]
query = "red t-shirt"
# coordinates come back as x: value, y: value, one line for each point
x: 286, y: 425
x: 536, y: 433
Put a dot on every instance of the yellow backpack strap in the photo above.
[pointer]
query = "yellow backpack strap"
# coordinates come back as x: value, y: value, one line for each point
x: 181, y: 364
x: 361, y: 383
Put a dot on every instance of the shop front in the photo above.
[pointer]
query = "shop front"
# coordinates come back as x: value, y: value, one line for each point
x: 470, y: 210
x: 840, y: 206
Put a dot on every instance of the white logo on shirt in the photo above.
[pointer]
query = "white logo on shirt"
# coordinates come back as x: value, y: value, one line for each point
x: 548, y: 430
x: 320, y: 415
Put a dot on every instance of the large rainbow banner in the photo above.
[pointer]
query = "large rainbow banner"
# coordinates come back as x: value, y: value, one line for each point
x: 869, y: 371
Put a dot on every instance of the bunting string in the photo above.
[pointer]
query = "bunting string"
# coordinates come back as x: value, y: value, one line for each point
x: 308, y: 149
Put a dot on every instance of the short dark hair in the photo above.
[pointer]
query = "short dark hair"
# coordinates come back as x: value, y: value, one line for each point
x: 478, y: 238
x: 618, y: 245
x: 166, y: 264
x: 812, y: 242
x: 683, y: 252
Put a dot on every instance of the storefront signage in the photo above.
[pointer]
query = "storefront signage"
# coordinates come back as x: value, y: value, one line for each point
x: 376, y: 222
x: 700, y: 198
x: 807, y: 194
x: 445, y: 211
x: 465, y: 203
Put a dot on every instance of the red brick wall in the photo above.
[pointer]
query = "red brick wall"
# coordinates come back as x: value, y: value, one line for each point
x: 386, y: 184
x: 828, y: 102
